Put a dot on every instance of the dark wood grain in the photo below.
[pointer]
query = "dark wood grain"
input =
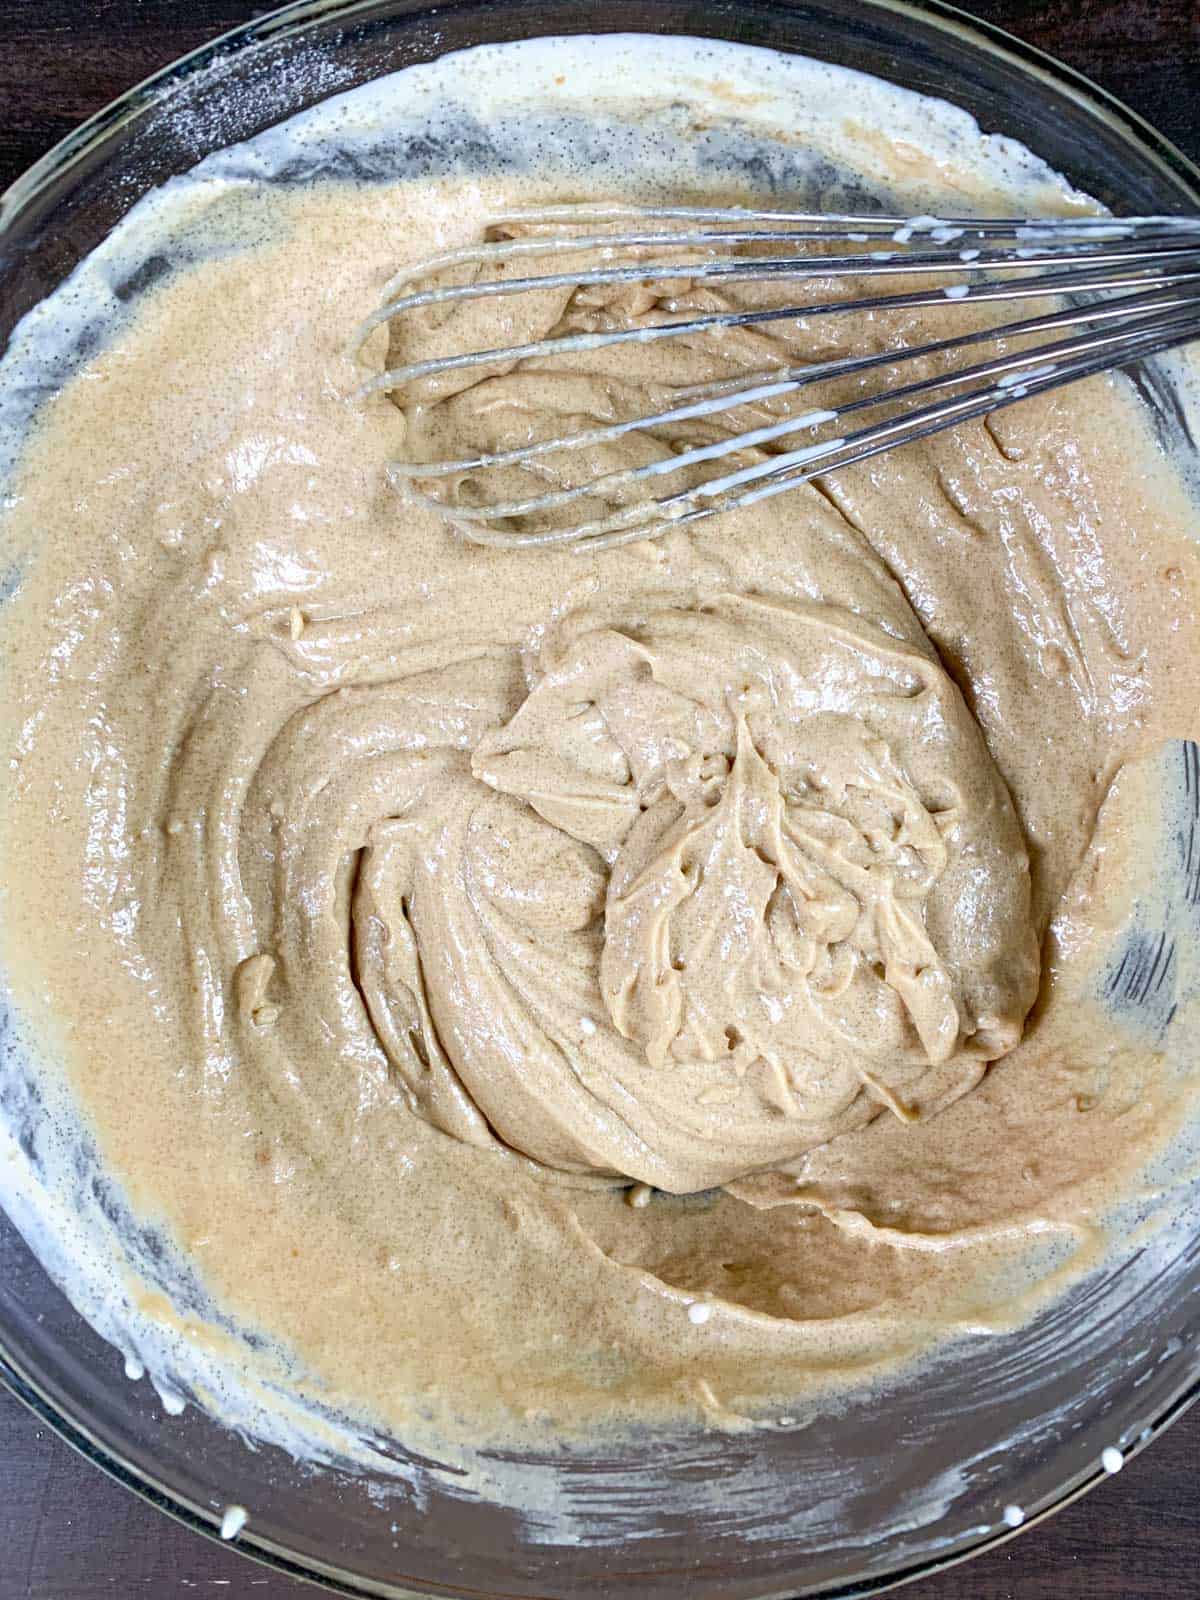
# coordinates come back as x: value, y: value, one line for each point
x: 69, y: 1533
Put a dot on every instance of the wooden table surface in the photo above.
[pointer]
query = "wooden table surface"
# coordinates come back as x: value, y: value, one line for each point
x: 66, y: 1531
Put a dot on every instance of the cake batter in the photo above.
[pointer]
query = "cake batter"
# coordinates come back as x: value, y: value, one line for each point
x: 541, y: 989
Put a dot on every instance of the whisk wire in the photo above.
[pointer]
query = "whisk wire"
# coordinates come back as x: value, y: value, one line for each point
x: 716, y: 398
x: 985, y: 291
x: 1151, y: 265
x: 810, y: 461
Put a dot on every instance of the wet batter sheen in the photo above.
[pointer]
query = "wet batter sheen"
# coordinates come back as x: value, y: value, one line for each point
x: 530, y: 985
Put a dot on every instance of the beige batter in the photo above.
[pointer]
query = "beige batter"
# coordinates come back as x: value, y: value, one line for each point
x: 393, y: 902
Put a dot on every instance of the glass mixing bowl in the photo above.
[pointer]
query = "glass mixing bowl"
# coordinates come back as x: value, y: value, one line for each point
x: 877, y: 1489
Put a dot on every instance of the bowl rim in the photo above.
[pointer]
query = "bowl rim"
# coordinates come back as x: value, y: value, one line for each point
x: 277, y: 25
x: 297, y: 14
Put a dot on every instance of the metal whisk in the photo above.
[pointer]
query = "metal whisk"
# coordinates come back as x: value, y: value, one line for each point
x: 633, y: 459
